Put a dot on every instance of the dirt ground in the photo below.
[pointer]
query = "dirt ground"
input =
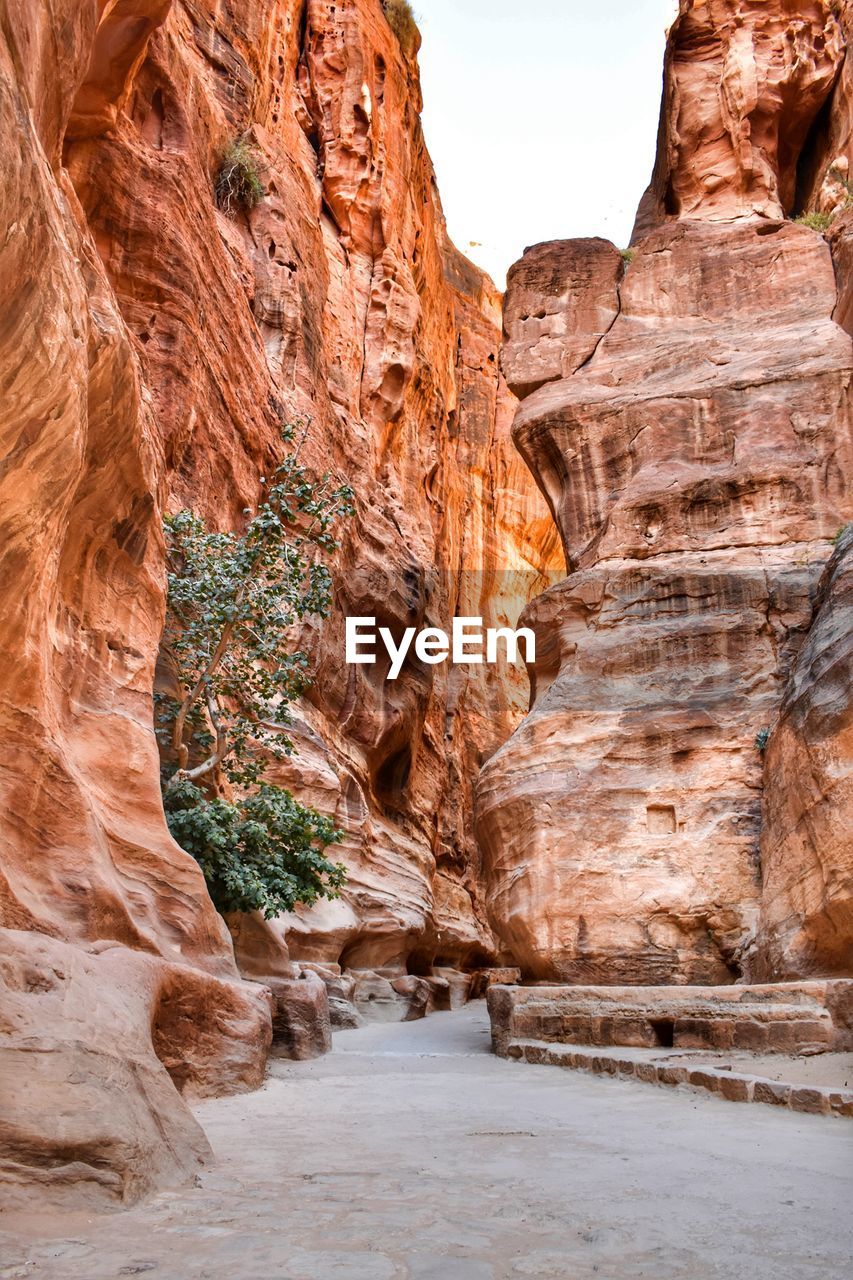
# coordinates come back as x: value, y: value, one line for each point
x: 410, y: 1153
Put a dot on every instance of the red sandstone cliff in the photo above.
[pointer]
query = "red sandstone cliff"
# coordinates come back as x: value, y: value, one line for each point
x: 337, y: 298
x: 150, y: 347
x: 688, y: 420
x: 686, y: 417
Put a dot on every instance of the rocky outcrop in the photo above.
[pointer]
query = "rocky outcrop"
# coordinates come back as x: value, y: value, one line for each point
x: 99, y: 1046
x: 807, y: 840
x: 150, y: 349
x: 685, y: 416
x: 337, y: 298
x: 697, y: 465
x: 87, y: 861
x: 562, y: 298
x: 806, y: 924
x: 743, y: 86
x: 796, y: 1018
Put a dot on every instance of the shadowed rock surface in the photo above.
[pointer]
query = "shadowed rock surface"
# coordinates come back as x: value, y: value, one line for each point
x: 807, y: 842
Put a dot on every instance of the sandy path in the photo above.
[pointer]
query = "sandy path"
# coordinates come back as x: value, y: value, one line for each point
x: 411, y: 1154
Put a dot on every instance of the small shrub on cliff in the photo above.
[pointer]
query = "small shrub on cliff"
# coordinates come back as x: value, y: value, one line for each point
x: 401, y: 20
x: 627, y: 256
x: 238, y: 185
x: 761, y: 739
x: 232, y: 599
x: 815, y: 221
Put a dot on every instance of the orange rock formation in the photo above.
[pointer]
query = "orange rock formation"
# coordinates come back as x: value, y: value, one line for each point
x: 686, y: 420
x: 150, y: 348
x: 696, y: 452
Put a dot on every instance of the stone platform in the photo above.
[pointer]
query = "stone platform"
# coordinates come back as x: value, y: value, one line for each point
x: 684, y: 1036
x: 785, y: 1017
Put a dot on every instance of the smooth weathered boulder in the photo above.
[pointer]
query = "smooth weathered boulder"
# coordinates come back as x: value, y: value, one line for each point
x: 97, y: 1045
x: 301, y: 1023
x: 389, y: 998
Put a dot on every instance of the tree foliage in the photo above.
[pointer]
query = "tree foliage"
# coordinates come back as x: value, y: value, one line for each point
x: 264, y: 854
x: 232, y: 601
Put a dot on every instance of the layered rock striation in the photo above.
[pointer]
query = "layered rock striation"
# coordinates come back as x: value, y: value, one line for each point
x: 806, y: 923
x: 676, y: 806
x: 337, y: 299
x: 108, y: 926
x: 151, y: 346
x: 689, y: 425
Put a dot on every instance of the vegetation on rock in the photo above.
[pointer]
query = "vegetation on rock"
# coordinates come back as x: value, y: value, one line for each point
x: 401, y: 20
x: 815, y: 221
x: 232, y: 599
x: 238, y: 184
x: 265, y: 853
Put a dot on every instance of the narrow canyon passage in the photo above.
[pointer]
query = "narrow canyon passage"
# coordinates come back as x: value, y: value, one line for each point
x: 410, y: 1153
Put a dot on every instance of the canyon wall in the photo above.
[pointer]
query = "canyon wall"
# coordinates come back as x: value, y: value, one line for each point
x: 806, y: 924
x: 337, y: 299
x: 151, y: 347
x: 687, y: 416
x: 677, y: 805
x: 114, y: 966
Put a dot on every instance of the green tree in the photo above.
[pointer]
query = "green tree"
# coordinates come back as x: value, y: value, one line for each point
x: 232, y: 601
x: 264, y: 854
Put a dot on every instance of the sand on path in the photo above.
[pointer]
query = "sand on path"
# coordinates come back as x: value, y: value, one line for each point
x: 411, y: 1153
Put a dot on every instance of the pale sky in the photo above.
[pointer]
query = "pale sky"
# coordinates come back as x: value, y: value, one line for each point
x: 541, y: 117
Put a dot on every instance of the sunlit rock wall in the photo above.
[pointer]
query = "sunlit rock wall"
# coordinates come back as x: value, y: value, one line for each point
x: 108, y: 930
x: 338, y: 298
x: 689, y: 425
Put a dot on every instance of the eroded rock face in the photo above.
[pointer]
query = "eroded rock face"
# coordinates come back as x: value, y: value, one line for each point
x: 807, y: 842
x: 96, y: 1047
x: 150, y: 349
x: 562, y: 297
x: 86, y: 856
x: 337, y: 298
x: 86, y: 852
x: 806, y: 925
x: 743, y: 84
x: 794, y: 1018
x: 301, y: 1024
x: 698, y: 467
